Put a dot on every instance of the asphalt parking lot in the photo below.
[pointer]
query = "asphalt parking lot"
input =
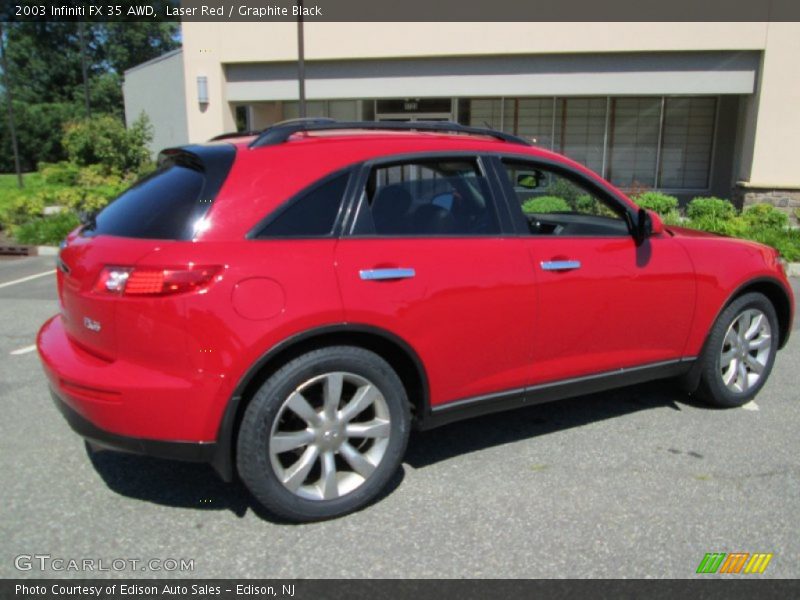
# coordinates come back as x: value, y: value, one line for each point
x: 640, y: 482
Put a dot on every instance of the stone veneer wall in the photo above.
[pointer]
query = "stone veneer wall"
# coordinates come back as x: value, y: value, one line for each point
x: 787, y: 200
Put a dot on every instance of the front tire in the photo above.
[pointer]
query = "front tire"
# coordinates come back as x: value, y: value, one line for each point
x: 324, y: 435
x: 740, y: 352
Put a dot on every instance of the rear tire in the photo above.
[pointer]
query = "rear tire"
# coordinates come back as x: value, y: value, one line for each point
x: 740, y: 352
x: 324, y: 435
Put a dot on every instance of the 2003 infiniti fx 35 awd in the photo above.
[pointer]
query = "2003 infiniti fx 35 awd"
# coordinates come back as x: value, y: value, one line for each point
x: 286, y: 306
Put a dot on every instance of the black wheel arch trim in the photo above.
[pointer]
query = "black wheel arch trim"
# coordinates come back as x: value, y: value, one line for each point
x: 223, y: 458
x: 787, y: 296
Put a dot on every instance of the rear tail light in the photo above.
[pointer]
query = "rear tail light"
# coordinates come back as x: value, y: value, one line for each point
x: 153, y: 281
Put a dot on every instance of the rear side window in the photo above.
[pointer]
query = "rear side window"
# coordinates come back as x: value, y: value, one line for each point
x: 169, y: 203
x: 311, y: 214
x: 428, y: 197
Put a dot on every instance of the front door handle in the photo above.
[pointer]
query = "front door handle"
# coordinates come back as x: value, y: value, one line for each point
x: 560, y: 265
x: 386, y: 274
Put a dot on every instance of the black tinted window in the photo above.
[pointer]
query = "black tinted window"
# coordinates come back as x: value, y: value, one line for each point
x: 312, y: 214
x: 430, y: 197
x: 158, y: 207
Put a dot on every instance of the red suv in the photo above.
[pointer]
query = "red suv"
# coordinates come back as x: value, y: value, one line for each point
x: 287, y: 306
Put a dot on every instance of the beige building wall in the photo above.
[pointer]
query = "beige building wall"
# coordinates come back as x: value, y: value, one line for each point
x: 773, y: 120
x: 775, y: 160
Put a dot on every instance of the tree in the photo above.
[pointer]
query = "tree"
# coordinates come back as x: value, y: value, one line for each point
x: 103, y: 140
x: 129, y: 44
x: 46, y: 56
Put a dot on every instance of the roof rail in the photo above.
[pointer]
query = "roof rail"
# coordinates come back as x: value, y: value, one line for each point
x: 233, y: 134
x: 280, y: 132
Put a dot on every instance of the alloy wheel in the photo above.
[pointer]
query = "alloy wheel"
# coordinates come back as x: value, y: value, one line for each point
x: 745, y: 350
x: 329, y: 436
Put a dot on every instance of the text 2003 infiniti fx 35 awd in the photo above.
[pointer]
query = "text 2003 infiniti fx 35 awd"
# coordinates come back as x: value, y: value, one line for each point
x: 287, y: 306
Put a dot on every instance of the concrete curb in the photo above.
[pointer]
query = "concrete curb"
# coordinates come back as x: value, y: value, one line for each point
x: 793, y: 269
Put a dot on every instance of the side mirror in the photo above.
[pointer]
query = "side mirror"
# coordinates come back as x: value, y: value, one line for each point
x: 530, y: 180
x: 648, y: 223
x: 656, y: 224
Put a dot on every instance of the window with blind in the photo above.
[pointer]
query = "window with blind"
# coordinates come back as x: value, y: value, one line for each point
x: 686, y: 142
x: 633, y: 141
x: 531, y: 118
x: 580, y: 130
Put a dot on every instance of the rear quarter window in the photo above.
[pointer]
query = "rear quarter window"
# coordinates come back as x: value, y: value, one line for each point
x: 168, y: 203
x: 310, y: 214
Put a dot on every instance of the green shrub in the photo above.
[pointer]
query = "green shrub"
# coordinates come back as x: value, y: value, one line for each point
x: 733, y: 226
x: 104, y: 140
x: 144, y: 170
x: 46, y: 230
x: 22, y: 208
x: 715, y: 215
x: 545, y: 204
x: 585, y: 204
x: 84, y: 199
x: 787, y: 242
x: 564, y: 189
x: 97, y: 175
x: 765, y: 216
x: 711, y: 209
x: 60, y: 173
x: 663, y: 204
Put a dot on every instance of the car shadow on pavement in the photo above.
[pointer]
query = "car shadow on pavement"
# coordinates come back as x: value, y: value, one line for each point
x: 472, y: 435
x: 184, y: 485
x: 197, y: 486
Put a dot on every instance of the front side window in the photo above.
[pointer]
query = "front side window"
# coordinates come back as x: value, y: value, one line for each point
x: 556, y: 204
x: 434, y: 197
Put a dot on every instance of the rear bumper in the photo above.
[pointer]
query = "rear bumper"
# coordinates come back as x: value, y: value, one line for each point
x: 186, y: 451
x: 131, y: 408
x: 127, y: 398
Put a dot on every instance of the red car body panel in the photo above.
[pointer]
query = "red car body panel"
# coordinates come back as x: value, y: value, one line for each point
x: 465, y: 293
x: 610, y: 305
x: 480, y: 316
x: 722, y: 266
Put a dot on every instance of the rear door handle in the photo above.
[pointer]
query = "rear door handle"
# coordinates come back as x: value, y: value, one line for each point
x: 386, y: 274
x: 560, y: 265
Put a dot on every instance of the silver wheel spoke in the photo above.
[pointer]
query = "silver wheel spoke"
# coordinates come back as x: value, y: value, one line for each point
x: 728, y: 378
x: 283, y: 442
x: 300, y: 406
x: 730, y: 338
x: 377, y: 428
x: 727, y: 357
x: 755, y: 325
x: 761, y: 342
x: 330, y: 484
x: 356, y: 460
x: 297, y: 473
x: 742, y: 378
x: 365, y: 396
x: 333, y: 393
x: 755, y: 366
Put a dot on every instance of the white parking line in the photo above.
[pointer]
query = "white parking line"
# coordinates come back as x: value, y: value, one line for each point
x: 28, y: 278
x: 750, y: 405
x: 24, y: 350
